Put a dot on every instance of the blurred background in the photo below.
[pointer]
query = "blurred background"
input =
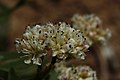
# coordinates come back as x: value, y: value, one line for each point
x: 15, y: 15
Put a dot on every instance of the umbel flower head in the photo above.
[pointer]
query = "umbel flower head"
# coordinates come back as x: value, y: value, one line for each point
x: 90, y: 25
x: 74, y: 73
x: 60, y: 38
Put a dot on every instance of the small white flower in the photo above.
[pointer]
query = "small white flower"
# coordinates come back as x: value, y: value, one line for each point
x: 60, y: 38
x: 90, y: 25
x: 74, y: 73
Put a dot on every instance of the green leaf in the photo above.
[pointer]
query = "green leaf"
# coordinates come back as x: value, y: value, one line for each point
x: 12, y: 75
x: 4, y: 26
x: 53, y: 75
x: 13, y: 60
x: 3, y: 75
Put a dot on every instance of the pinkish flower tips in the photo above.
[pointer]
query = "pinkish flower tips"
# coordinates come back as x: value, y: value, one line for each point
x: 60, y: 38
x: 90, y: 25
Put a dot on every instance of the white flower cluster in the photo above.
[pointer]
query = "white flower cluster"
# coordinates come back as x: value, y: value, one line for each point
x: 75, y: 73
x: 60, y: 38
x: 90, y: 25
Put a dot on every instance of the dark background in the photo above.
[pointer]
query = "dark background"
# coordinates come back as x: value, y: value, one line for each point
x: 15, y: 15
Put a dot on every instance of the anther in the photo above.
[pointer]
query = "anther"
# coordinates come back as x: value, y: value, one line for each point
x: 39, y: 31
x: 70, y: 46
